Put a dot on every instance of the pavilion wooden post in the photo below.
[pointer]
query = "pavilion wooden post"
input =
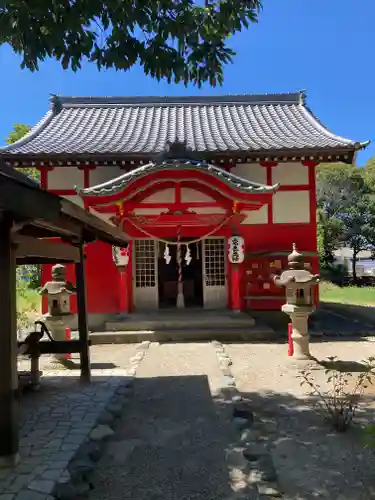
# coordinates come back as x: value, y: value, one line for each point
x: 82, y: 318
x: 8, y: 347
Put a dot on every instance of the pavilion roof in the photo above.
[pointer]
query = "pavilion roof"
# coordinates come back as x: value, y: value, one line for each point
x: 89, y: 128
x: 119, y: 183
x: 39, y: 216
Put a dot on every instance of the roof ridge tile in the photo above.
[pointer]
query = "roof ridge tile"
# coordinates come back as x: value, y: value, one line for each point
x: 274, y: 98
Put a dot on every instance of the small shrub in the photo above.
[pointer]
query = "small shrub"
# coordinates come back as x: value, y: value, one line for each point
x: 22, y: 319
x: 340, y: 401
x: 336, y: 273
x: 28, y: 303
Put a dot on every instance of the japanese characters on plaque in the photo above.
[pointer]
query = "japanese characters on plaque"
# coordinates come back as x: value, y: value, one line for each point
x: 120, y: 256
x: 236, y: 249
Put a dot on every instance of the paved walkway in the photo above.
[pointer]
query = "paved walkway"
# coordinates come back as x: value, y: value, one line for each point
x: 172, y: 440
x: 177, y: 439
x: 182, y: 432
x: 56, y: 422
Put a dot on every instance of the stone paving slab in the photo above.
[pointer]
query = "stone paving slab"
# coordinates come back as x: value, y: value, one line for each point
x: 59, y: 419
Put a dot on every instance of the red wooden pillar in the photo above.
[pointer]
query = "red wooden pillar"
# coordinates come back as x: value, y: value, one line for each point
x: 235, y: 290
x: 123, y: 290
x: 234, y: 263
x: 125, y: 284
x: 129, y: 277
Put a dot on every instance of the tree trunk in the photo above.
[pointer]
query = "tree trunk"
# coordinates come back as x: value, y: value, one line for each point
x: 354, y: 270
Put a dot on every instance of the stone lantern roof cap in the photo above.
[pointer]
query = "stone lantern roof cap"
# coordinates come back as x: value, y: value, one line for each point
x: 295, y: 259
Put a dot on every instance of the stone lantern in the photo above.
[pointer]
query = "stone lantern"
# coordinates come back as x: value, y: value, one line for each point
x: 298, y: 283
x: 58, y: 292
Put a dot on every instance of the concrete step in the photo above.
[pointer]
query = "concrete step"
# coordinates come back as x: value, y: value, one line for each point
x: 192, y: 322
x: 243, y: 334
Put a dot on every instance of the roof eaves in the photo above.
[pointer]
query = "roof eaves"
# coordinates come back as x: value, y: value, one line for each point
x: 316, y: 123
x: 34, y: 132
x: 362, y: 145
x: 108, y: 157
x: 120, y: 182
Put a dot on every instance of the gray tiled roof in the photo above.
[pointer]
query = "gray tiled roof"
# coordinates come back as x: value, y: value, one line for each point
x: 210, y: 124
x: 117, y: 184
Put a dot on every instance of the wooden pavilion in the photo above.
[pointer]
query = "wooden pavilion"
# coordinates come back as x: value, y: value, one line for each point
x: 31, y: 220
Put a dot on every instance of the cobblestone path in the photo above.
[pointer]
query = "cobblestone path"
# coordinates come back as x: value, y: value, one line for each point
x: 172, y: 440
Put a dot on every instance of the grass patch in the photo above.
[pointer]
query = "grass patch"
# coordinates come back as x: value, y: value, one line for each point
x: 360, y: 296
x: 29, y: 306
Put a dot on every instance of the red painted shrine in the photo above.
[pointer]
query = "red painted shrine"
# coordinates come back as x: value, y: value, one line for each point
x: 212, y: 192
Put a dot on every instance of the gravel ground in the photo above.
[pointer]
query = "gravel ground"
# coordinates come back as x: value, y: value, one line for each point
x: 312, y: 462
x: 171, y: 442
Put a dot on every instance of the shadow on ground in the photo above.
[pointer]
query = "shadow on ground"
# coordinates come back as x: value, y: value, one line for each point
x: 330, y: 320
x: 170, y: 444
x: 174, y: 436
x: 358, y: 313
x: 75, y: 365
x: 312, y: 460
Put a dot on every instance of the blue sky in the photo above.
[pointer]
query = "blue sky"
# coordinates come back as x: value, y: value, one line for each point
x: 326, y: 47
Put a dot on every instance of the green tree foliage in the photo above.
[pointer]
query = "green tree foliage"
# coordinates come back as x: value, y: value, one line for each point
x: 330, y: 230
x: 359, y: 228
x: 180, y: 40
x: 19, y: 131
x: 336, y: 185
x: 346, y: 211
x: 369, y: 172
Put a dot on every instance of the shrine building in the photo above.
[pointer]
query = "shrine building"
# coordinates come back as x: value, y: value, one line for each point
x: 212, y: 191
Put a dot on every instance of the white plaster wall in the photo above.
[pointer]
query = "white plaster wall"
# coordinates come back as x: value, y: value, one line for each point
x: 192, y: 195
x: 256, y: 216
x: 291, y: 207
x: 251, y: 172
x: 149, y: 211
x: 292, y: 174
x: 208, y: 210
x: 65, y: 178
x: 75, y: 199
x: 104, y: 174
x: 164, y: 196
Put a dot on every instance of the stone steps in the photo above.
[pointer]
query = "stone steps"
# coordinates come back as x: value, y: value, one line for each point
x: 239, y: 333
x: 182, y: 321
